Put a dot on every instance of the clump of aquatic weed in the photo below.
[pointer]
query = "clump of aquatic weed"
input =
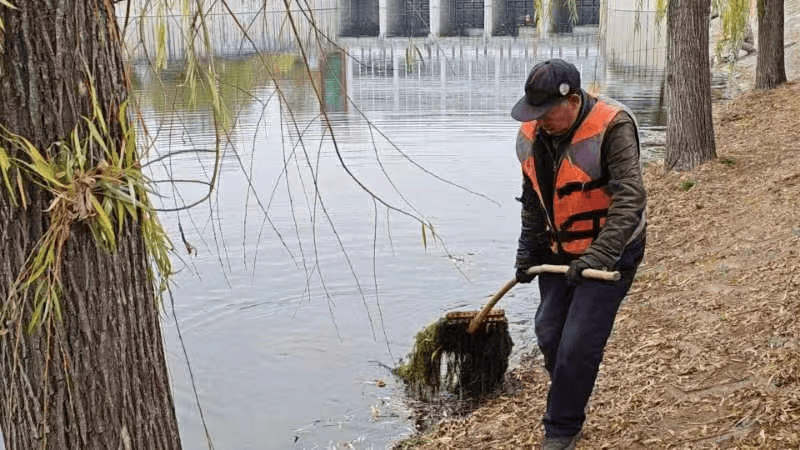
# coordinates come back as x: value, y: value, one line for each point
x: 421, y: 370
x: 473, y: 364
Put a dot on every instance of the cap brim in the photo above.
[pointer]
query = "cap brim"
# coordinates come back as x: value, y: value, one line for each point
x: 525, y: 112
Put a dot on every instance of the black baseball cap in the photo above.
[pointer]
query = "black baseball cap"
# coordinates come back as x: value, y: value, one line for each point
x: 548, y: 82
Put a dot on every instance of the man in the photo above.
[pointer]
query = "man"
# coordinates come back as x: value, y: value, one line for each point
x: 583, y: 205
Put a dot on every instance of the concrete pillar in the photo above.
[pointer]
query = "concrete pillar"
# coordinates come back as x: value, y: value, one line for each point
x: 469, y: 84
x: 344, y: 17
x: 442, y: 16
x: 349, y: 73
x: 443, y: 80
x: 545, y: 18
x: 436, y: 17
x: 397, y: 66
x: 383, y: 18
x: 442, y: 68
x: 488, y: 16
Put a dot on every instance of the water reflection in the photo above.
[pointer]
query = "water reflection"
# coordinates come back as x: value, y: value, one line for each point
x: 237, y: 79
x: 464, y: 75
x: 303, y: 286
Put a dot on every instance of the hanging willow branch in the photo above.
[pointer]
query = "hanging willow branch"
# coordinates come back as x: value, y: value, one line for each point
x: 733, y: 16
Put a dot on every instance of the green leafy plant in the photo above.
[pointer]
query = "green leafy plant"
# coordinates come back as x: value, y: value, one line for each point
x: 733, y: 20
x: 101, y: 196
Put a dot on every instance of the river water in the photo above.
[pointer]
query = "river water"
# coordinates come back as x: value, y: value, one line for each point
x: 303, y: 288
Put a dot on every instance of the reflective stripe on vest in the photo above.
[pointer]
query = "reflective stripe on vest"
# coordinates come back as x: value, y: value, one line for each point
x: 580, y: 198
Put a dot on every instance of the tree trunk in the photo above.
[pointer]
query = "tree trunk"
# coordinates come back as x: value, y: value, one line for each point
x: 770, y: 68
x: 98, y: 378
x: 690, y: 129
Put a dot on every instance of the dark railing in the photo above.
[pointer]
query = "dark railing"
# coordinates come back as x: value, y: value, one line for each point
x: 416, y: 18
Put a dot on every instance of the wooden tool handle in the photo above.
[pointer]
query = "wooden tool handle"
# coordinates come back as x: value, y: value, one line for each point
x: 477, y: 321
x: 587, y: 273
x: 595, y: 274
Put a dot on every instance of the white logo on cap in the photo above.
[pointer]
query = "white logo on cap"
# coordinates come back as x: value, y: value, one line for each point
x: 563, y: 88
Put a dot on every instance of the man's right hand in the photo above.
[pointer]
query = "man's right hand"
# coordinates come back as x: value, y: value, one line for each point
x: 523, y: 276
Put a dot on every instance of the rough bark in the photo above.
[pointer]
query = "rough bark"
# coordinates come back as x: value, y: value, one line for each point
x: 770, y: 68
x: 98, y: 379
x: 690, y: 129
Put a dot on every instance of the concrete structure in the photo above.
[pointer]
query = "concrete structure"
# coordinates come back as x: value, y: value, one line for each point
x: 159, y: 29
x: 631, y: 37
x: 390, y: 15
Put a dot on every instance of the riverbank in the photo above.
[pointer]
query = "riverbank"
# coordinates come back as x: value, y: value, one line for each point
x: 706, y: 349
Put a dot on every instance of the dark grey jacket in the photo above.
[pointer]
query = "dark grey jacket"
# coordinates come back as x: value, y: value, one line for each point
x: 624, y: 223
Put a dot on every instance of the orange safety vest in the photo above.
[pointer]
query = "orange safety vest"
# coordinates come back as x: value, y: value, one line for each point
x: 580, y: 195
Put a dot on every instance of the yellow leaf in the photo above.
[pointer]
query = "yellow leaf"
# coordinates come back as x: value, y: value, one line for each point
x: 123, y: 115
x: 104, y: 222
x: 40, y: 166
x: 132, y: 193
x: 127, y: 140
x: 38, y: 267
x: 97, y: 112
x: 131, y: 211
x: 56, y: 303
x: 36, y: 317
x: 78, y: 149
x: 96, y: 135
x: 120, y: 208
x: 5, y: 161
x: 5, y: 164
x: 21, y: 189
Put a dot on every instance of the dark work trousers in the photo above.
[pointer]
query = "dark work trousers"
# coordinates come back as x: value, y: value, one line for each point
x: 572, y: 327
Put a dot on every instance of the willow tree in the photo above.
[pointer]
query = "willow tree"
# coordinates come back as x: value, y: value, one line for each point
x: 690, y: 127
x: 770, y: 67
x: 734, y: 14
x: 81, y: 357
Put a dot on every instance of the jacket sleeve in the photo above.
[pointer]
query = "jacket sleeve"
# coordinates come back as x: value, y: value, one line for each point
x: 534, y: 241
x: 628, y: 195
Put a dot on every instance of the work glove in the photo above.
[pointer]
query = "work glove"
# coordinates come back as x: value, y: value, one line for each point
x: 575, y: 272
x: 523, y: 276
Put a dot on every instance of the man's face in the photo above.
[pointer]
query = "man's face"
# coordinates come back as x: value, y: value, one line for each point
x: 559, y: 119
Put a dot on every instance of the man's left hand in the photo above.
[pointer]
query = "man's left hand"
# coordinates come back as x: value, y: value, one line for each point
x: 575, y: 272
